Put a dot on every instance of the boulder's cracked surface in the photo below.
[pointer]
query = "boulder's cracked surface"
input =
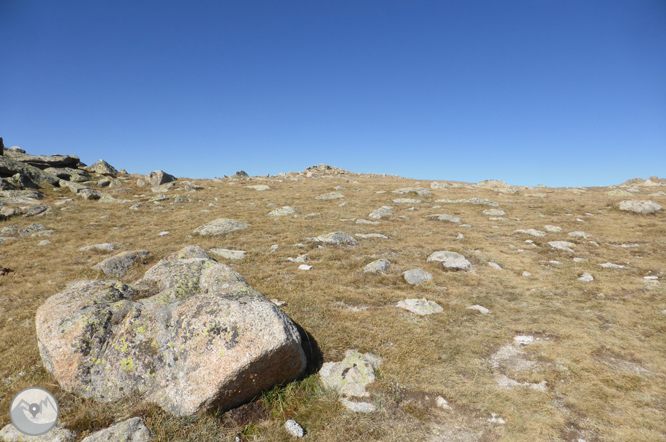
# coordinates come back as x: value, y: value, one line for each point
x: 206, y: 338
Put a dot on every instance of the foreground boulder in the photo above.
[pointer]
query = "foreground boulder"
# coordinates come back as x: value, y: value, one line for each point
x: 9, y: 433
x: 160, y: 177
x: 206, y: 338
x: 219, y: 227
x: 119, y: 265
x: 10, y: 167
x: 450, y: 260
x: 131, y: 430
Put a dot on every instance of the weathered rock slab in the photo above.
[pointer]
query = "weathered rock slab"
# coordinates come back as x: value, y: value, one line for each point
x: 421, y: 307
x: 377, y: 266
x: 381, y: 212
x: 282, y: 211
x: 159, y: 177
x: 642, y: 207
x: 335, y: 238
x: 131, y: 430
x: 9, y: 433
x: 450, y: 260
x: 220, y: 227
x: 417, y: 276
x: 119, y: 265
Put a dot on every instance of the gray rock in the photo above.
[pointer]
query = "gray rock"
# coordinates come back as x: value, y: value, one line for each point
x: 610, y: 265
x: 274, y: 247
x: 104, y: 182
x: 10, y: 167
x: 358, y: 407
x: 444, y: 217
x: 229, y: 254
x: 334, y: 238
x: 330, y: 196
x: 140, y: 183
x: 46, y: 242
x: 219, y: 227
x: 21, y: 194
x: 371, y: 235
x: 301, y: 258
x: 163, y: 188
x: 241, y: 174
x: 181, y: 199
x: 438, y: 185
x: 119, y: 264
x: 350, y: 376
x: 159, y: 177
x: 586, y: 277
x: 282, y: 211
x: 88, y: 194
x: 107, y: 199
x: 158, y: 199
x: 69, y: 174
x: 552, y: 229
x: 363, y: 221
x: 532, y: 232
x: 7, y: 212
x: 35, y: 211
x: 377, y: 266
x: 73, y: 187
x: 20, y: 181
x: 495, y: 265
x: 259, y: 187
x: 492, y: 184
x: 32, y: 230
x: 44, y: 161
x: 116, y: 183
x: 415, y: 190
x: 105, y: 247
x: 6, y: 185
x: 643, y: 207
x: 450, y: 260
x: 58, y: 434
x: 131, y: 430
x: 421, y: 307
x: 484, y: 201
x: 207, y: 338
x: 381, y: 212
x: 103, y: 168
x: 416, y: 276
x: 562, y: 245
x: 494, y: 212
x: 294, y: 428
x: 578, y: 234
x: 406, y: 201
x: 479, y: 308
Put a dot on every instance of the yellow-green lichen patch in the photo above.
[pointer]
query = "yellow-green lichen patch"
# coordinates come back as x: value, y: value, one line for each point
x: 127, y: 364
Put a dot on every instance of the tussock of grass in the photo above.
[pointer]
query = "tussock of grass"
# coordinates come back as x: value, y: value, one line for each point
x: 602, y: 351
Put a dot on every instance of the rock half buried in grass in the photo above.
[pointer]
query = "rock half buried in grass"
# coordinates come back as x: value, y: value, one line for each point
x: 378, y: 266
x: 421, y: 306
x: 9, y: 433
x: 643, y: 207
x: 118, y: 265
x: 282, y: 211
x: 220, y: 227
x: 131, y: 430
x: 450, y: 260
x: 416, y: 276
x: 206, y: 338
x: 350, y: 376
x: 334, y: 238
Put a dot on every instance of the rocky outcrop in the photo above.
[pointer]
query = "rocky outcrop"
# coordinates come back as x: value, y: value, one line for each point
x: 206, y: 338
x: 10, y: 167
x: 160, y: 177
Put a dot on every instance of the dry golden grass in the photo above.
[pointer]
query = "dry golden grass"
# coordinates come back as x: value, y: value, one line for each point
x: 602, y: 350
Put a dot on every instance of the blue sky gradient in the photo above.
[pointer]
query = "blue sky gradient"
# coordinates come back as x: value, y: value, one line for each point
x: 554, y: 92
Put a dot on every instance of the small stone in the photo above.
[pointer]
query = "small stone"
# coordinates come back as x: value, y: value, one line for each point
x: 460, y: 236
x: 294, y: 428
x: 450, y: 260
x: 527, y: 274
x: 229, y: 254
x: 278, y: 302
x: 523, y: 340
x: 610, y: 265
x: 447, y: 218
x: 494, y: 212
x: 304, y: 267
x: 273, y: 248
x: 283, y: 211
x: 586, y: 277
x: 496, y: 419
x: 163, y: 233
x: 532, y: 232
x: 378, y: 266
x: 371, y: 235
x: 642, y: 207
x: 420, y: 306
x: 495, y: 265
x: 46, y: 242
x: 562, y: 245
x: 442, y: 403
x: 579, y: 260
x: 106, y: 247
x: 552, y: 229
x: 359, y: 407
x: 479, y: 308
x: 416, y: 276
x: 578, y: 235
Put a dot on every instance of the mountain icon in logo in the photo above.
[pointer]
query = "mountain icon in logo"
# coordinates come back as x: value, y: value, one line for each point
x: 34, y: 411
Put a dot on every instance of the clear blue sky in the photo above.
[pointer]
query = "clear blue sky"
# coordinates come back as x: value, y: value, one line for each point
x: 554, y: 92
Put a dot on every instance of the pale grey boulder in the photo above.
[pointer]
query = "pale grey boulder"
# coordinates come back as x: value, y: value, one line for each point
x: 406, y: 201
x: 562, y: 245
x: 421, y: 307
x: 163, y: 188
x: 494, y: 212
x: 444, y: 217
x: 103, y: 168
x: 88, y: 194
x: 483, y: 201
x: 282, y: 211
x: 105, y: 247
x: 10, y: 167
x: 330, y: 196
x: 381, y: 212
x: 642, y: 207
x: 220, y: 226
x: 415, y: 190
x: 350, y: 376
x: 119, y: 264
x: 130, y: 430
x: 377, y: 266
x: 9, y: 433
x: 228, y: 254
x: 586, y: 277
x: 552, y: 229
x: 205, y: 339
x: 35, y: 211
x: 69, y: 174
x: 44, y: 161
x: 450, y: 260
x: 492, y: 184
x: 259, y: 187
x: 335, y: 238
x: 533, y: 232
x: 417, y: 276
x: 159, y: 177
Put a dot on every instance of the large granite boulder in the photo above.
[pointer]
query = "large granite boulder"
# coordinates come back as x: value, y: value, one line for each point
x: 10, y: 167
x: 205, y: 339
x: 69, y: 174
x: 160, y: 177
x: 103, y: 168
x: 642, y: 207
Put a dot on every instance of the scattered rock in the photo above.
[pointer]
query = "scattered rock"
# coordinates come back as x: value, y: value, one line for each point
x: 610, y: 265
x: 259, y: 187
x: 105, y: 247
x: 282, y: 211
x: 371, y: 235
x: 532, y: 232
x: 160, y: 177
x: 479, y: 308
x: 586, y: 277
x: 416, y: 190
x: 46, y: 242
x: 552, y: 229
x: 294, y: 428
x: 241, y: 174
x: 495, y: 265
x: 417, y: 276
x: 562, y: 245
x: 131, y: 430
x: 350, y: 376
x: 643, y: 207
x: 578, y: 234
x: 229, y: 254
x: 58, y: 434
x: 406, y: 201
x: 304, y: 267
x: 494, y: 212
x: 381, y: 212
x: 104, y: 168
x: 219, y: 227
x: 420, y: 306
x: 492, y: 184
x: 118, y: 265
x: 163, y: 188
x: 450, y: 260
x: 443, y: 217
x: 330, y: 196
x: 334, y: 238
x: 363, y: 221
x: 274, y: 247
x: 484, y: 201
x: 377, y: 266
